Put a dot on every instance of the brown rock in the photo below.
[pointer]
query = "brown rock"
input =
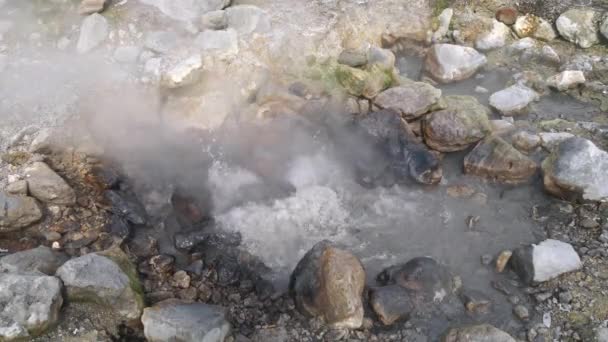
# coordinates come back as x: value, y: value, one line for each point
x: 476, y: 302
x: 507, y: 15
x: 502, y: 260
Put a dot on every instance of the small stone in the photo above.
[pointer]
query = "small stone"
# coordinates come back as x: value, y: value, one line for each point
x: 18, y: 212
x: 48, y: 186
x: 391, y: 303
x: 476, y: 302
x: 501, y: 126
x: 513, y: 100
x: 545, y: 261
x: 214, y: 20
x: 565, y: 297
x: 507, y: 15
x: 353, y: 58
x: 521, y: 312
x: 578, y: 25
x: 367, y: 83
x: 94, y: 31
x: 92, y: 6
x: 40, y: 259
x: 549, y: 55
x: 526, y: 141
x: 482, y: 332
x: 444, y: 20
x: 52, y: 236
x: 543, y: 296
x: 17, y: 188
x: 383, y: 58
x: 502, y: 260
x: 460, y: 191
x: 566, y: 80
x: 448, y: 63
x: 411, y: 100
x: 530, y: 25
x: 550, y: 140
x: 181, y: 279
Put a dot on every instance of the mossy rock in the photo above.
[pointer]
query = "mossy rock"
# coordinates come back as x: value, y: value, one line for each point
x: 16, y: 158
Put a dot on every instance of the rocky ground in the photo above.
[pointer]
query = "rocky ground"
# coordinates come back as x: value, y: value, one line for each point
x: 116, y: 114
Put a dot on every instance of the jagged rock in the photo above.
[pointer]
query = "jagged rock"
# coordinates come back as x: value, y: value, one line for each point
x: 366, y: 83
x: 545, y: 261
x: 530, y: 25
x: 17, y: 212
x: 477, y: 333
x: 566, y: 80
x: 184, y: 73
x: 247, y: 19
x: 507, y: 15
x: 93, y: 31
x: 30, y: 304
x: 464, y: 122
x: 497, y: 160
x: 214, y: 20
x: 577, y: 168
x: 220, y: 43
x: 411, y: 100
x: 391, y: 303
x: 328, y: 282
x: 449, y: 63
x: 98, y: 279
x: 47, y: 186
x: 513, y: 100
x: 172, y: 320
x: 495, y: 38
x: 40, y: 259
x: 92, y: 6
x: 579, y: 26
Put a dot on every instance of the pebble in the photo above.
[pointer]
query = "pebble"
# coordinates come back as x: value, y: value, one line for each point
x: 521, y: 312
x: 502, y: 260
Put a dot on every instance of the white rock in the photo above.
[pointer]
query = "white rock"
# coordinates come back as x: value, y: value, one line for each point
x: 566, y: 80
x: 579, y: 26
x: 247, y: 19
x: 524, y: 44
x: 214, y: 20
x: 530, y: 25
x: 513, y: 100
x: 549, y: 55
x: 186, y: 10
x: 602, y: 335
x: 550, y: 140
x: 127, y: 54
x: 500, y: 126
x: 545, y: 261
x: 221, y: 43
x: 91, y: 6
x: 448, y: 63
x: 184, y: 73
x: 94, y: 31
x: 494, y: 39
x: 444, y: 24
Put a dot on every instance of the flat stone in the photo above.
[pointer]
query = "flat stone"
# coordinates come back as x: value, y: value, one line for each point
x: 220, y: 43
x: 184, y: 73
x: 40, y: 259
x: 545, y: 261
x: 577, y: 168
x: 328, y: 282
x: 91, y: 6
x: 172, y: 320
x: 513, y: 100
x: 494, y: 39
x: 411, y: 100
x: 17, y: 212
x: 391, y: 303
x: 247, y: 19
x: 93, y: 31
x: 477, y: 333
x: 567, y: 79
x: 47, y: 186
x: 578, y: 25
x: 530, y: 25
x: 449, y: 63
x: 30, y: 304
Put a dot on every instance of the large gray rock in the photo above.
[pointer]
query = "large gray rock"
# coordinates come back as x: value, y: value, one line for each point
x: 463, y: 123
x: 391, y: 303
x: 17, y: 212
x: 513, y: 100
x: 328, y: 282
x: 93, y: 31
x: 176, y: 321
x: 477, y: 333
x: 40, y: 259
x: 247, y: 19
x: 579, y: 26
x: 577, y: 168
x: 411, y: 100
x: 186, y: 10
x: 449, y: 63
x: 98, y: 279
x: 545, y: 261
x: 48, y: 186
x: 30, y: 304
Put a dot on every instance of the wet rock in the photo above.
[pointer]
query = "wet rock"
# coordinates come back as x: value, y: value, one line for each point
x: 220, y: 43
x: 449, y: 63
x: 118, y: 226
x: 184, y: 73
x: 464, y: 122
x: 92, y: 6
x: 30, y: 304
x: 477, y: 333
x: 411, y: 100
x: 550, y: 140
x: 48, y: 186
x: 521, y: 312
x: 545, y: 261
x: 496, y: 38
x: 507, y: 15
x: 104, y: 177
x: 530, y: 25
x: 94, y: 31
x: 476, y: 302
x: 513, y: 100
x: 366, y: 83
x: 40, y: 259
x: 276, y: 334
x: 526, y: 141
x: 214, y: 20
x: 247, y: 19
x: 579, y: 26
x: 328, y: 282
x: 566, y: 80
x: 497, y: 160
x: 391, y: 303
x: 577, y: 168
x: 125, y: 207
x: 425, y: 278
x: 172, y: 320
x: 353, y: 58
x: 17, y: 212
x: 502, y: 260
x: 98, y: 279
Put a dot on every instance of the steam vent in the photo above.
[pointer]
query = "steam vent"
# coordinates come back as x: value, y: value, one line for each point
x: 304, y: 170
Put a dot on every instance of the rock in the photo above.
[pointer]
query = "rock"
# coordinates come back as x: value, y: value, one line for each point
x: 214, y: 20
x: 44, y: 141
x: 17, y: 188
x: 186, y: 10
x: 476, y: 302
x: 476, y: 333
x: 449, y: 63
x: 524, y: 45
x: 577, y: 168
x: 353, y: 58
x: 602, y: 335
x: 604, y: 32
x: 30, y: 304
x: 391, y: 303
x: 497, y: 160
x: 513, y: 100
x: 502, y: 260
x: 274, y: 334
x: 521, y: 312
x: 126, y: 54
x: 494, y: 39
x: 98, y: 279
x: 17, y: 212
x: 92, y: 6
x: 94, y: 31
x: 328, y: 282
x: 184, y: 73
x: 525, y: 141
x: 40, y: 259
x: 530, y: 25
x: 47, y: 186
x: 125, y: 207
x: 579, y: 26
x: 501, y: 126
x: 549, y: 55
x: 507, y: 15
x: 444, y: 24
x: 566, y: 80
x: 545, y: 261
x: 463, y: 123
x: 172, y: 320
x: 247, y: 19
x: 366, y: 83
x: 163, y: 42
x: 382, y: 58
x: 410, y: 100
x: 220, y: 43
x: 550, y: 140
